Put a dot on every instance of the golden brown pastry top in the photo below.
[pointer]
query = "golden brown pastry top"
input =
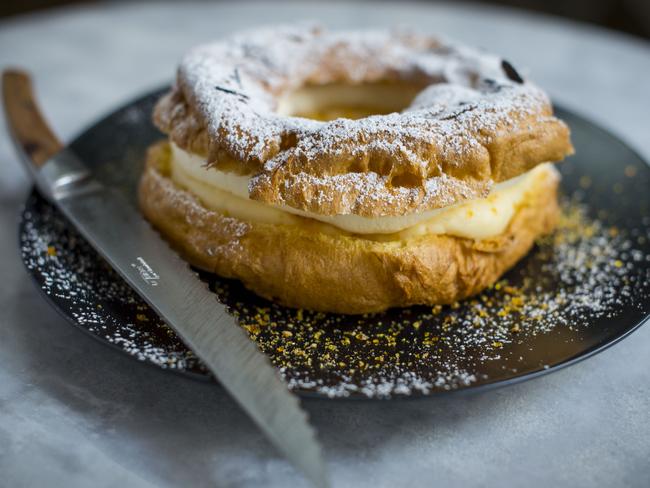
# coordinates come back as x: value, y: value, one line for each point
x: 475, y: 122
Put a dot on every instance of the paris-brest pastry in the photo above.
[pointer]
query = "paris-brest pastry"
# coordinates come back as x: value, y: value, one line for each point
x: 353, y: 171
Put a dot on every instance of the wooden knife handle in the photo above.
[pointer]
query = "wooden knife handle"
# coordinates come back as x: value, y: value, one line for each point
x: 28, y: 127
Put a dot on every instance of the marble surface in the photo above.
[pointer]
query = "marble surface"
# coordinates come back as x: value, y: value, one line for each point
x: 74, y: 413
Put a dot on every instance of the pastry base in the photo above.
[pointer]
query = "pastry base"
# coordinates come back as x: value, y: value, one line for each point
x: 301, y: 266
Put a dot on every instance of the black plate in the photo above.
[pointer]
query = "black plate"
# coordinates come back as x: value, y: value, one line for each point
x: 575, y: 294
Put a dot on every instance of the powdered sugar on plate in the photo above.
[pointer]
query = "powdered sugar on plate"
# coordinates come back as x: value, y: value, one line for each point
x: 575, y: 281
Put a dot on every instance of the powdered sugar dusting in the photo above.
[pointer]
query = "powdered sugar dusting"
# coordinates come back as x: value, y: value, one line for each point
x: 578, y: 279
x: 468, y: 101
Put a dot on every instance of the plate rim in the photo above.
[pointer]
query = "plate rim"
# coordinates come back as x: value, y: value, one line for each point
x: 312, y: 395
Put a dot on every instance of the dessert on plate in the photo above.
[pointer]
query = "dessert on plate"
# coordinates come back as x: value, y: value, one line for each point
x: 353, y: 171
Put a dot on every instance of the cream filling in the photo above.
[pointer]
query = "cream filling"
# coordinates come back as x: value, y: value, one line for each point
x: 359, y: 100
x: 227, y: 193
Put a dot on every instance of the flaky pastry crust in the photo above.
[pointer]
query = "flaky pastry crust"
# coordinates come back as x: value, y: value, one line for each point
x: 475, y: 122
x: 299, y: 266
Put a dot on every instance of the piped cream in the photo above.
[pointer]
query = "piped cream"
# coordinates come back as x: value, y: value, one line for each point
x: 483, y: 218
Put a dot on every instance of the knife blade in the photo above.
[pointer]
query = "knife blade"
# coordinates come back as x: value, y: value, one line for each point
x: 129, y: 244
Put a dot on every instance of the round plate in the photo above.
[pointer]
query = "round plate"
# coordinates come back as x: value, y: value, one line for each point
x: 577, y: 292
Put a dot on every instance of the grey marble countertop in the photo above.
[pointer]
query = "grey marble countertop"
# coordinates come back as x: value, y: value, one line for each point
x: 74, y: 413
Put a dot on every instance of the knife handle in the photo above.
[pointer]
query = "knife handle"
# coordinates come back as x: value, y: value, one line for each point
x: 30, y: 132
x: 37, y: 145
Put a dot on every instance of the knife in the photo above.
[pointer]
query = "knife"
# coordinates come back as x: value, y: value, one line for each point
x: 119, y: 233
